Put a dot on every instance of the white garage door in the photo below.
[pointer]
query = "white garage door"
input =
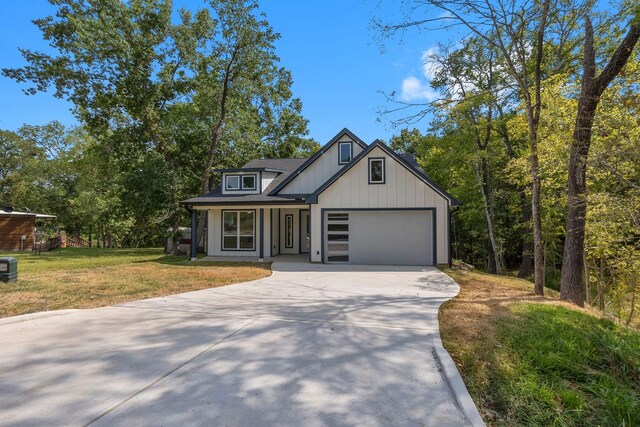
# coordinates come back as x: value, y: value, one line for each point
x: 393, y: 237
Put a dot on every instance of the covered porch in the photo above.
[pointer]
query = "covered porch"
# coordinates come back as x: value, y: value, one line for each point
x: 256, y: 232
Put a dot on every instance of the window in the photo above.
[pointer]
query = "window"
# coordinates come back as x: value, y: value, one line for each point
x: 238, y: 182
x: 238, y: 230
x: 337, y: 245
x: 288, y: 230
x: 248, y: 182
x: 344, y: 149
x: 376, y: 171
x: 232, y: 182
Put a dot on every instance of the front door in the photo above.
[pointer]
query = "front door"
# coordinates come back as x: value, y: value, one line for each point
x: 305, y: 232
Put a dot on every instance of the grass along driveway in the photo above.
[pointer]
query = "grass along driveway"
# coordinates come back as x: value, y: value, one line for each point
x: 530, y: 360
x: 88, y: 278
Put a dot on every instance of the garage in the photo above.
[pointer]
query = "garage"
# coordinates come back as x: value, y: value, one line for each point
x: 392, y: 237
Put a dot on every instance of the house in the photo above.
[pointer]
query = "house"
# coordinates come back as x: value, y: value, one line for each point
x: 18, y: 229
x: 348, y: 203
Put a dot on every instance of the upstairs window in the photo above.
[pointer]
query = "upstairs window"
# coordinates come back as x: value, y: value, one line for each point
x: 232, y: 182
x: 344, y: 150
x: 376, y: 170
x: 248, y: 182
x: 241, y: 182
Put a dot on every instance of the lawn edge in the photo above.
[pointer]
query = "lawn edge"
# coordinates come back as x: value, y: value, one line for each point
x: 452, y: 375
x: 37, y: 315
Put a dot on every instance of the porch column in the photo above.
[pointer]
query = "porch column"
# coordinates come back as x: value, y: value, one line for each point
x: 194, y: 238
x: 261, y: 257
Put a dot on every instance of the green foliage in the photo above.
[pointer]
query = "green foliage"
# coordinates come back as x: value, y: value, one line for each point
x: 150, y: 94
x: 557, y: 366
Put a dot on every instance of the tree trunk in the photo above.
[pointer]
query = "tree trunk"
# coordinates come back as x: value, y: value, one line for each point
x: 526, y: 264
x: 633, y: 298
x: 496, y: 263
x: 592, y: 89
x: 536, y: 215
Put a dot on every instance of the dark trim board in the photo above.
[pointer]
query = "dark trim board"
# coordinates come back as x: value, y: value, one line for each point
x: 449, y: 234
x: 222, y: 211
x: 313, y: 198
x: 319, y: 153
x: 214, y: 205
x: 261, y: 256
x: 433, y: 225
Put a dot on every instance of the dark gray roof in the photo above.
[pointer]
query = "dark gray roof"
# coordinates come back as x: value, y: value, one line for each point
x: 410, y: 158
x: 287, y: 165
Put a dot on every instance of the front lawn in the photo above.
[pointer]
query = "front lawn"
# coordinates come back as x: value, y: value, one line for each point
x: 528, y: 360
x: 86, y: 278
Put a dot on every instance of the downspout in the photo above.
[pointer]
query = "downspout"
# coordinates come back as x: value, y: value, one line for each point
x: 194, y: 232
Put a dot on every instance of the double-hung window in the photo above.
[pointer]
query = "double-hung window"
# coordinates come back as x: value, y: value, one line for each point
x: 238, y: 230
x: 232, y: 182
x: 376, y: 170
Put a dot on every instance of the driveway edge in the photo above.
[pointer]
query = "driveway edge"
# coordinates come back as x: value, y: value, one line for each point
x: 453, y: 377
x: 36, y: 316
x: 459, y: 390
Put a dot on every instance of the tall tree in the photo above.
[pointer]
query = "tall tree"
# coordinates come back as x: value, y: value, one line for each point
x: 592, y: 89
x: 519, y: 33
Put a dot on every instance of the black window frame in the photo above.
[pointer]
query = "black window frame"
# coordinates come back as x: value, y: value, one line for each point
x: 287, y: 244
x: 255, y: 181
x: 241, y: 186
x: 222, y: 235
x: 384, y: 171
x: 340, y: 144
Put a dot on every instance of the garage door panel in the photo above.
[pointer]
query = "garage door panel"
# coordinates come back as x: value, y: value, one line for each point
x: 390, y: 237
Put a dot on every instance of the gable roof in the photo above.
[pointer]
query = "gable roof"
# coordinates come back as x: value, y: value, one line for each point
x: 317, y: 154
x: 288, y: 166
x: 411, y: 166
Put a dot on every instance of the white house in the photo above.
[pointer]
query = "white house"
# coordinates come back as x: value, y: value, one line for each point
x: 348, y: 203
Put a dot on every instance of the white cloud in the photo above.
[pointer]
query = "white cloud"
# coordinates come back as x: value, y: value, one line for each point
x: 429, y: 66
x: 413, y: 89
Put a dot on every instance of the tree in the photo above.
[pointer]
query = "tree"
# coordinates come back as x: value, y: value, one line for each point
x: 592, y: 89
x: 519, y: 33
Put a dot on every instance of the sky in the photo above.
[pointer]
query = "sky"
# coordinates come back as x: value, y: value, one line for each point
x: 330, y: 47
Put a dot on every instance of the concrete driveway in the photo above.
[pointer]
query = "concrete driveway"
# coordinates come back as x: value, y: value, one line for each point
x: 311, y: 345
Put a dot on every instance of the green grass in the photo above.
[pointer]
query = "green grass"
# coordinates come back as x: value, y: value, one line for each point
x: 536, y: 361
x: 565, y: 367
x: 86, y: 278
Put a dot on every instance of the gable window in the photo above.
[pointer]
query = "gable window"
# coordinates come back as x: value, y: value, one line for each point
x: 344, y: 149
x: 376, y: 170
x: 232, y: 182
x: 238, y: 230
x: 248, y: 182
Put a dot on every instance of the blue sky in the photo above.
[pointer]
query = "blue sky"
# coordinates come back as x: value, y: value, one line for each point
x: 329, y: 46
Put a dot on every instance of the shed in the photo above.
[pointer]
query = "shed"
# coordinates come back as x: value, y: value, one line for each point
x: 17, y: 229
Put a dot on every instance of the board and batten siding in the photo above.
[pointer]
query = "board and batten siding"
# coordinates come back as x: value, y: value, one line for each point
x: 401, y: 189
x: 319, y: 172
x: 214, y: 233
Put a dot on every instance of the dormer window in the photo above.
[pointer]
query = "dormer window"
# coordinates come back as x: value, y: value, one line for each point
x: 232, y: 182
x: 241, y: 182
x: 344, y: 151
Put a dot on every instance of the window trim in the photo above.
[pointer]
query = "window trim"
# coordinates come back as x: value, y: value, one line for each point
x: 340, y: 144
x: 287, y: 244
x: 384, y: 172
x: 240, y: 176
x: 255, y: 181
x: 222, y: 235
x: 226, y: 182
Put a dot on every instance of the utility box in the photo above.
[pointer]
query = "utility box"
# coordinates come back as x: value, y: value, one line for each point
x: 8, y: 270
